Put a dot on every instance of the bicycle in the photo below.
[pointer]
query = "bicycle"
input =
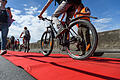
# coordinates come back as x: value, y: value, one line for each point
x: 24, y: 46
x: 48, y: 37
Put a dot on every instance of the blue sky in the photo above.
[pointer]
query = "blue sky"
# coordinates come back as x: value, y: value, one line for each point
x: 25, y: 13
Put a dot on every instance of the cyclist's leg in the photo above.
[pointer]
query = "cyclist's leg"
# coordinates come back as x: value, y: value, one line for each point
x: 62, y: 8
x: 87, y: 38
x: 83, y: 31
x: 28, y: 44
x: 23, y: 40
x: 70, y: 12
x: 80, y: 32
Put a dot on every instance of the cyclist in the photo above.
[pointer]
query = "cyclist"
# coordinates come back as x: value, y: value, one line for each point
x: 18, y: 43
x: 12, y: 42
x: 26, y: 36
x: 65, y: 6
x: 83, y: 31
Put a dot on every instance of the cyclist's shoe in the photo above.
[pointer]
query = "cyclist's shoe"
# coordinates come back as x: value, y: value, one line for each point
x: 61, y: 31
x: 82, y: 53
x: 77, y: 49
x: 63, y: 49
x: 73, y: 38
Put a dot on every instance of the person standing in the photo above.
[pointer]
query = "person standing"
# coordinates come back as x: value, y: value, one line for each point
x: 4, y: 26
x: 18, y: 44
x: 12, y: 43
x: 83, y: 31
x: 10, y: 20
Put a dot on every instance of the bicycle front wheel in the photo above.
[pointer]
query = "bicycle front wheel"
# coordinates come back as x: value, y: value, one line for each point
x: 47, y: 43
x: 83, y: 39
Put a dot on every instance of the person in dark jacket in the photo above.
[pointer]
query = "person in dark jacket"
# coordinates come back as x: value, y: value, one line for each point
x: 4, y: 29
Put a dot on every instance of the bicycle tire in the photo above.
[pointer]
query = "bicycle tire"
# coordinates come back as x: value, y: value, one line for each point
x: 93, y: 44
x: 46, y: 51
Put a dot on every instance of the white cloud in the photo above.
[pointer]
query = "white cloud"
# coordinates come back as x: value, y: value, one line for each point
x: 14, y: 11
x: 101, y: 27
x: 25, y: 5
x: 31, y: 10
x: 34, y: 25
x: 103, y: 20
x: 103, y: 24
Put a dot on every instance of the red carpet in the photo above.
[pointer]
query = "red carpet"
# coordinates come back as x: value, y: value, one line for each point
x: 62, y: 67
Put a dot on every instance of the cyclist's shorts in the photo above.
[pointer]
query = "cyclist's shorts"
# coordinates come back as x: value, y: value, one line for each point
x: 27, y: 37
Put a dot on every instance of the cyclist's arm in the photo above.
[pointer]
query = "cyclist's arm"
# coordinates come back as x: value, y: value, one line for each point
x: 45, y: 7
x: 21, y: 34
x: 62, y: 17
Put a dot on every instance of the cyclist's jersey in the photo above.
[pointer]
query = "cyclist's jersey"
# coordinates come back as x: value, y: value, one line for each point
x: 26, y: 34
x: 85, y: 10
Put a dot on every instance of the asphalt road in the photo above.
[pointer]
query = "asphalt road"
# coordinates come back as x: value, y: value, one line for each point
x: 9, y: 71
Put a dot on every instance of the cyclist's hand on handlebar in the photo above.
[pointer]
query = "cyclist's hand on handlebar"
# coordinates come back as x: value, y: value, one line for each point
x: 20, y: 37
x: 40, y: 17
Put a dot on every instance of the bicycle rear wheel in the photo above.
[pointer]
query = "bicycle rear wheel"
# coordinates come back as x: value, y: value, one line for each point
x: 81, y: 46
x: 47, y: 43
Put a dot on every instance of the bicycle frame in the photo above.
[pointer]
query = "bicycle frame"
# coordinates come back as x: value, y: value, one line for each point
x: 54, y: 32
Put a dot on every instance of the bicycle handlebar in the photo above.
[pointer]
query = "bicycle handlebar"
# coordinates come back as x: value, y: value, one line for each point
x: 93, y: 17
x: 20, y: 37
x: 86, y: 15
x: 75, y: 19
x: 46, y: 19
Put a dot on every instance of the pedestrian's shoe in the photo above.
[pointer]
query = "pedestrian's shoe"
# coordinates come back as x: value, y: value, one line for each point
x: 3, y: 52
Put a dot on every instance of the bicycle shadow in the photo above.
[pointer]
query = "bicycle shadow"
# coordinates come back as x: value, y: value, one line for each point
x: 103, y: 60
